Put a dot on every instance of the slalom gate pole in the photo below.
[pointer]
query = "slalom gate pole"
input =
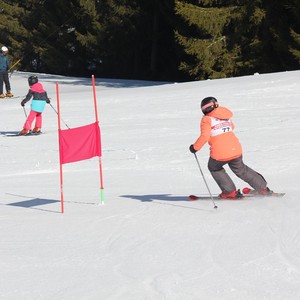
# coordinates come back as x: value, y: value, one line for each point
x: 211, y: 197
x: 60, y: 163
x: 59, y: 116
x: 100, y: 158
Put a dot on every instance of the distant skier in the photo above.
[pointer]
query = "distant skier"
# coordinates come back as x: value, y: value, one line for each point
x: 39, y: 100
x: 4, y: 66
x: 225, y: 148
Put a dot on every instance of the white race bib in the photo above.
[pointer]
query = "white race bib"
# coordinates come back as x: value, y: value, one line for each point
x: 219, y: 126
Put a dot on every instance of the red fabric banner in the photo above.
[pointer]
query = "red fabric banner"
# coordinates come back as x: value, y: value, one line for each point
x: 79, y: 143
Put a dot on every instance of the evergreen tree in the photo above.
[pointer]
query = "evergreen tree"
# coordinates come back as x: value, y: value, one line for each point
x: 116, y: 40
x: 156, y: 50
x: 227, y: 38
x: 295, y: 50
x: 12, y: 33
x: 135, y: 39
x: 268, y: 37
x: 65, y: 36
x: 59, y: 41
x: 208, y: 38
x: 294, y: 8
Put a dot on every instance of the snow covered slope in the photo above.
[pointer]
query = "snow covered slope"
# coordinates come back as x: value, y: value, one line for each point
x: 148, y: 241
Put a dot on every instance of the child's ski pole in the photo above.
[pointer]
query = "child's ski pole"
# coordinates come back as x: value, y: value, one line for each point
x: 211, y: 197
x: 60, y: 118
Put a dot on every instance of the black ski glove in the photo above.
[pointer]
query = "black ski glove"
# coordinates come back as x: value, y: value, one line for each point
x: 48, y: 101
x: 192, y: 149
x: 23, y: 103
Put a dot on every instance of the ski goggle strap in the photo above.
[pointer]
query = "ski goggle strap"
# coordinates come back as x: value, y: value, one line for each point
x: 210, y: 104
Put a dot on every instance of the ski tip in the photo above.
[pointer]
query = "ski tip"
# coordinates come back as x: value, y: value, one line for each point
x: 246, y: 190
x: 193, y: 197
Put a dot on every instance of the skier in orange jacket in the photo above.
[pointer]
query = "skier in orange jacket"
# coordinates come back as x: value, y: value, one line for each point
x: 225, y: 148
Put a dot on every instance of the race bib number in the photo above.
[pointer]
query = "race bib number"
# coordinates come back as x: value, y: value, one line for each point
x: 219, y: 126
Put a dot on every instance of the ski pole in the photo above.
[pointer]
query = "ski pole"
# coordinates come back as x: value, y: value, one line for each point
x: 25, y: 112
x: 60, y: 118
x: 211, y: 197
x: 11, y: 70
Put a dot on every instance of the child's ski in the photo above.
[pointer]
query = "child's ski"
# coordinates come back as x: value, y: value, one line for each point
x: 245, y: 196
x: 273, y: 194
x: 194, y: 197
x: 13, y: 97
x: 18, y: 134
x: 250, y: 193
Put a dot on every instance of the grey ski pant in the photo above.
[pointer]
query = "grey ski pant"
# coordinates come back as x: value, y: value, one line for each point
x: 254, y: 179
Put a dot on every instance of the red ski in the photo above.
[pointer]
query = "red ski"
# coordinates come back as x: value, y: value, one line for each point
x: 252, y: 193
x: 194, y: 197
x: 245, y: 196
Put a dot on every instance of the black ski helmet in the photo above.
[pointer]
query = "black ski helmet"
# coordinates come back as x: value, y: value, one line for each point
x: 32, y: 80
x: 208, y: 104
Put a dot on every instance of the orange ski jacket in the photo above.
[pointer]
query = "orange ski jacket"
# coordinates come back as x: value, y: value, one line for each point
x: 217, y: 129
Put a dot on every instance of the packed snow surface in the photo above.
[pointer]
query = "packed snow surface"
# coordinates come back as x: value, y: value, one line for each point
x: 147, y: 241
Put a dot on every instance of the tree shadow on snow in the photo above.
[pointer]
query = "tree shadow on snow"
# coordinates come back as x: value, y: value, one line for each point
x: 86, y: 81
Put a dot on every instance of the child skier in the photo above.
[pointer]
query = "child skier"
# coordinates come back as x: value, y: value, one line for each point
x: 225, y: 148
x: 39, y: 100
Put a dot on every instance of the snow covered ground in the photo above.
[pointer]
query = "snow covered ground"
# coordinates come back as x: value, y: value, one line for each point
x: 148, y: 242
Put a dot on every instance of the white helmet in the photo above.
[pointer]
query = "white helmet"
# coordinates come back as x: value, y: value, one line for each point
x: 4, y: 49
